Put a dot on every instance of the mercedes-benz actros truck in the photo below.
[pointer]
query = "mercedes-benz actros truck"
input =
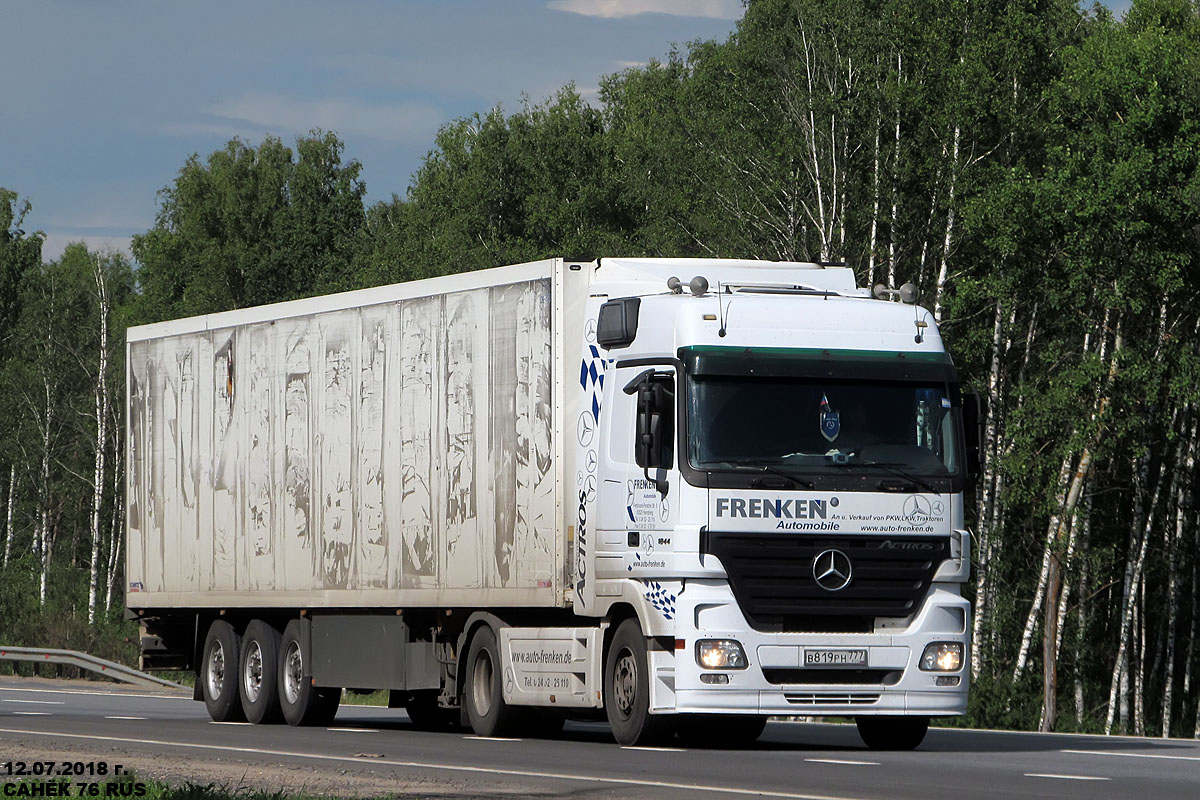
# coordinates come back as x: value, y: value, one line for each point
x: 681, y: 494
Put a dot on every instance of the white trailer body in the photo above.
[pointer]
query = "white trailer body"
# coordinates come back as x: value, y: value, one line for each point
x: 559, y: 485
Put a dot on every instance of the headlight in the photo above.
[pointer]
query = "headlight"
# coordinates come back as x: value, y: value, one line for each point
x: 942, y: 657
x: 720, y: 654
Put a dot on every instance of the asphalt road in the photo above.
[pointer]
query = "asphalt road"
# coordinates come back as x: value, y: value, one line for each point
x: 374, y: 749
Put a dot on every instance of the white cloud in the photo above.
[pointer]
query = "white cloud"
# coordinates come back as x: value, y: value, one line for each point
x: 283, y: 115
x: 611, y: 9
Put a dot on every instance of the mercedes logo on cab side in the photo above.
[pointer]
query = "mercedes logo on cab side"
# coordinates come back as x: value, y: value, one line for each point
x: 832, y: 570
x: 916, y: 507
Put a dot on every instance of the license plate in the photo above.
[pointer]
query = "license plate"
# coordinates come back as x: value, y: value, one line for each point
x: 835, y: 658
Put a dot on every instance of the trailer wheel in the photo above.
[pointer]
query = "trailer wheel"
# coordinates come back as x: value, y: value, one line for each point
x: 258, y: 673
x: 483, y: 694
x: 218, y: 673
x: 892, y: 732
x: 627, y: 689
x: 721, y: 731
x: 301, y: 702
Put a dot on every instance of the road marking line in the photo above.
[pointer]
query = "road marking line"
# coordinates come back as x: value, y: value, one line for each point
x: 519, y: 773
x: 842, y: 761
x: 492, y: 739
x: 124, y: 717
x: 214, y: 722
x: 97, y: 694
x: 1065, y: 777
x: 1132, y: 755
x: 653, y: 749
x: 37, y: 702
x: 33, y: 713
x: 353, y: 730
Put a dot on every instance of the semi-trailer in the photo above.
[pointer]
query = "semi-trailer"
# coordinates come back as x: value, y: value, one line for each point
x: 681, y: 494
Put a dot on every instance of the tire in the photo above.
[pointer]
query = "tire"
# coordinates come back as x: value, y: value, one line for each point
x: 301, y: 702
x: 258, y: 676
x: 627, y: 690
x: 425, y: 713
x: 483, y: 694
x: 218, y: 673
x: 722, y: 731
x: 892, y: 733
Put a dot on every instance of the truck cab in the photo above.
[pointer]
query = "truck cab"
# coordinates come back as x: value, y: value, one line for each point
x: 770, y: 479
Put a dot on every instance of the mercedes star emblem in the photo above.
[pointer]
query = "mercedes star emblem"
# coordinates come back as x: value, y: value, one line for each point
x: 916, y: 506
x: 832, y: 570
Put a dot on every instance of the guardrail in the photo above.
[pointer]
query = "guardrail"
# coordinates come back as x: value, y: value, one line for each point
x: 110, y: 669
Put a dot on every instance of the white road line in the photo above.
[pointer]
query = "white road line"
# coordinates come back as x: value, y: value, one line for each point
x: 1132, y: 755
x: 353, y: 730
x: 33, y: 713
x: 35, y: 702
x: 1065, y: 777
x: 125, y: 718
x: 519, y: 773
x: 97, y: 694
x: 492, y: 739
x: 653, y: 749
x: 214, y: 722
x: 842, y: 761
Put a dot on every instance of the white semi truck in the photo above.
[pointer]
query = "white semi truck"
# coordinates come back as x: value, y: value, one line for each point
x: 683, y: 494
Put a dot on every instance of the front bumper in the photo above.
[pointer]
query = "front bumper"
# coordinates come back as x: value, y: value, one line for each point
x: 776, y: 683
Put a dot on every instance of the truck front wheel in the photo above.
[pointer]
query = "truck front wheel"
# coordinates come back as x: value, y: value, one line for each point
x: 259, y: 682
x: 627, y: 689
x: 892, y: 733
x: 302, y: 703
x: 483, y: 694
x: 218, y: 672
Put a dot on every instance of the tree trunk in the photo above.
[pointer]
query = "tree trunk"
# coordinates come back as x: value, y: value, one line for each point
x: 944, y: 265
x: 1085, y: 540
x: 8, y: 514
x: 1183, y: 458
x: 989, y: 497
x: 101, y: 410
x: 875, y: 179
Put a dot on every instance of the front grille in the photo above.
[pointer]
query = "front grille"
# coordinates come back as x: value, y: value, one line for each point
x: 772, y: 578
x: 831, y: 698
x: 832, y: 677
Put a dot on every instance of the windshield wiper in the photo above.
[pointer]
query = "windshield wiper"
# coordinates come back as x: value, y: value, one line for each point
x: 754, y: 462
x: 895, y: 469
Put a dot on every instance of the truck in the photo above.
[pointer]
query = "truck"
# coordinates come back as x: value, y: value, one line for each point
x: 682, y: 495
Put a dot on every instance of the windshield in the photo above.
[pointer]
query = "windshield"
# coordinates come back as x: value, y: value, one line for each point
x: 821, y: 425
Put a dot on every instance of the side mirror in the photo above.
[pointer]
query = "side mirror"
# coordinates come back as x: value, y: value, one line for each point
x: 653, y: 446
x: 974, y: 413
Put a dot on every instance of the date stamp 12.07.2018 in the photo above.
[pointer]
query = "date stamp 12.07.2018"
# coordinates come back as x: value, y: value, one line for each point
x: 54, y: 778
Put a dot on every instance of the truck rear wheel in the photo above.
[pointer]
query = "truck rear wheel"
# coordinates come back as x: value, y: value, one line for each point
x: 218, y: 672
x: 258, y: 673
x: 892, y: 732
x: 301, y: 702
x: 627, y: 689
x: 483, y: 694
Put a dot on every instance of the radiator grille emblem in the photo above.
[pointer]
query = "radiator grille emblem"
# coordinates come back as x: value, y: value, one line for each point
x: 832, y: 570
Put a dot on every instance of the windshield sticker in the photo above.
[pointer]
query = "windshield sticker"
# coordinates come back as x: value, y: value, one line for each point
x: 830, y: 420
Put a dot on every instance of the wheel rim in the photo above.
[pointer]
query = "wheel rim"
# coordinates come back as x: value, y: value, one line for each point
x: 625, y: 675
x: 253, y: 676
x: 481, y: 683
x: 216, y: 670
x: 293, y: 672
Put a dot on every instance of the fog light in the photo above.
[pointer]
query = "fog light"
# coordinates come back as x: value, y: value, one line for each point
x: 714, y: 677
x: 942, y: 657
x: 720, y: 654
x: 947, y: 680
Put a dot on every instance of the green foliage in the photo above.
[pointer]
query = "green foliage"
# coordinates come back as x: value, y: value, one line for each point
x: 252, y: 226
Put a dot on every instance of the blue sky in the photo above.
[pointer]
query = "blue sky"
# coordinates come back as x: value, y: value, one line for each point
x: 101, y: 103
